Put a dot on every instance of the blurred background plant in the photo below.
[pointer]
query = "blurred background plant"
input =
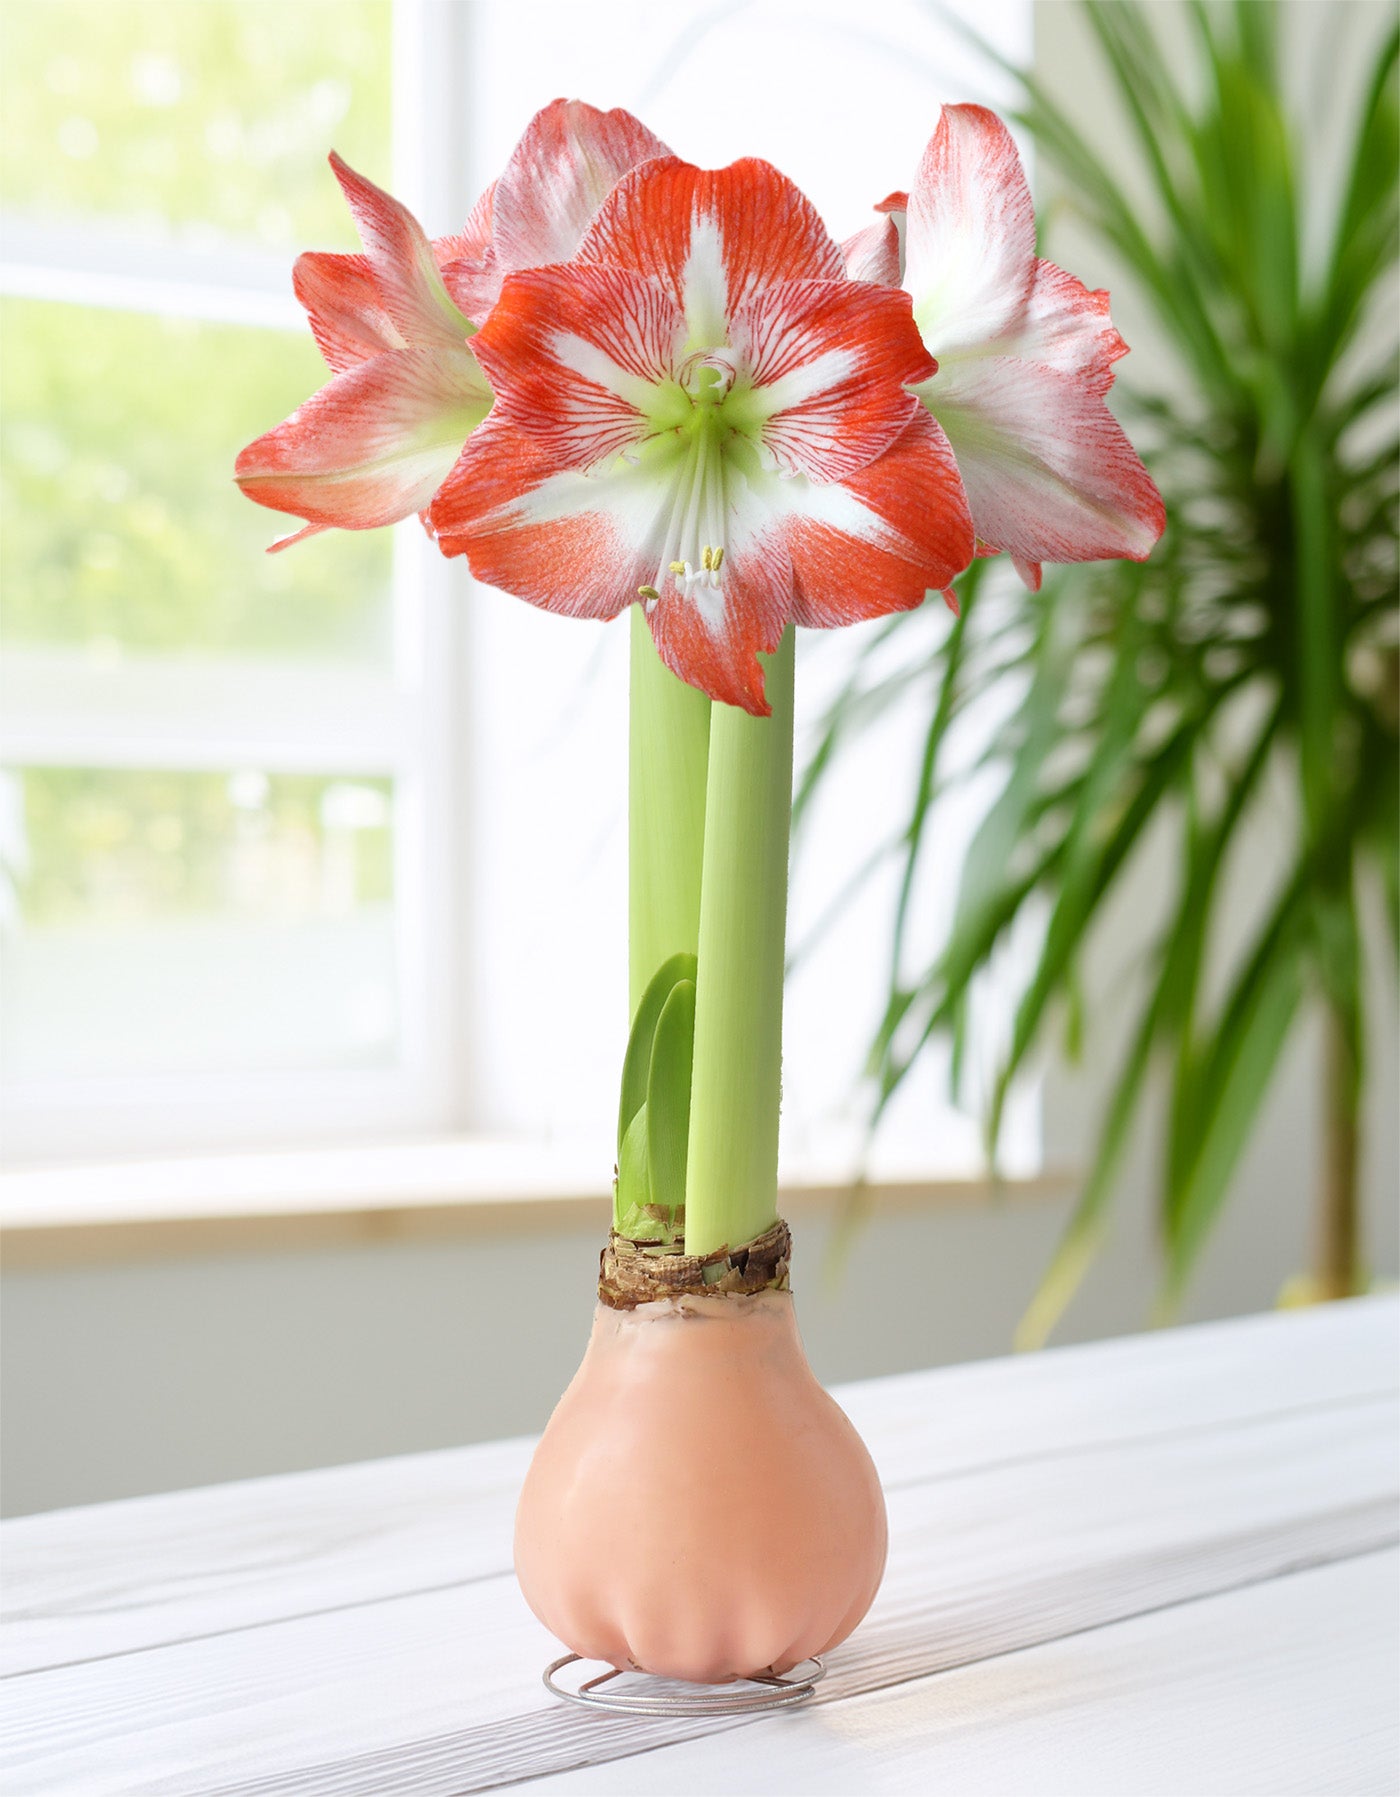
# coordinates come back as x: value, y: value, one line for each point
x: 1254, y: 656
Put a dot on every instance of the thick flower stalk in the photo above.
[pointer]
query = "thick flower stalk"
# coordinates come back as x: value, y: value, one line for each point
x: 1025, y: 356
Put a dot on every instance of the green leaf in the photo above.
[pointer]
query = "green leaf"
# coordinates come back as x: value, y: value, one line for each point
x: 1364, y: 245
x: 1244, y: 1055
x: 1318, y: 667
x: 636, y: 1065
x: 991, y: 850
x: 1096, y: 856
x: 1161, y: 118
x: 945, y: 687
x: 1074, y: 1016
x: 1181, y: 971
x: 1208, y: 1066
x: 1168, y: 1011
x: 632, y: 1194
x: 1079, y: 1242
x: 668, y: 1098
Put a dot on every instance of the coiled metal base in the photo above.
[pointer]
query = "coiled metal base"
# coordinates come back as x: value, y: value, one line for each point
x: 671, y: 1698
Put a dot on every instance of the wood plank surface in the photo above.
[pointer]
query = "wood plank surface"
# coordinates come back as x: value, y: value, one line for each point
x: 1283, y: 1688
x: 358, y: 1631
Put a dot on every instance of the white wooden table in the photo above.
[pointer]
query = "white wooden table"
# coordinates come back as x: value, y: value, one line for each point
x: 1159, y: 1565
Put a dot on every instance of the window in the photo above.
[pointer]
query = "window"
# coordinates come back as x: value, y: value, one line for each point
x: 330, y: 844
x: 219, y: 766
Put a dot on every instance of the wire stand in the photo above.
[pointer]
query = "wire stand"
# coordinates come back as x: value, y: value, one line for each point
x: 761, y: 1691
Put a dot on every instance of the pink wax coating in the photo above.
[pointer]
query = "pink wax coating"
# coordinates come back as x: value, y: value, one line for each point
x: 698, y: 1507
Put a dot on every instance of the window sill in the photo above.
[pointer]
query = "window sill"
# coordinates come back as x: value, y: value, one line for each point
x: 358, y: 1194
x: 388, y: 1191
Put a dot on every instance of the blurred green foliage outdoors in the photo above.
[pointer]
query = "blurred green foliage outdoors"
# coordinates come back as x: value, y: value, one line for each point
x: 121, y: 522
x: 194, y: 124
x: 130, y: 844
x: 123, y: 528
x: 208, y: 115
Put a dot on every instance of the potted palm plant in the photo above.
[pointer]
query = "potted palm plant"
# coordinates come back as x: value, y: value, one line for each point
x: 1258, y: 644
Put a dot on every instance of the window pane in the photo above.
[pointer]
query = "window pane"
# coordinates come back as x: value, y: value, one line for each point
x: 157, y: 920
x: 123, y: 528
x: 214, y: 115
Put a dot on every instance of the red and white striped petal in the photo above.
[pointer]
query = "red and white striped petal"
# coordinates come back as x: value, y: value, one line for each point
x: 575, y: 543
x: 1066, y: 326
x: 713, y: 238
x: 406, y: 274
x: 1049, y: 474
x: 828, y: 361
x: 341, y: 297
x: 468, y: 263
x: 373, y: 445
x: 713, y: 640
x: 583, y: 545
x: 473, y: 241
x: 873, y: 254
x: 970, y: 240
x: 1026, y: 356
x: 565, y: 165
x: 820, y: 554
x: 881, y: 540
x: 578, y: 355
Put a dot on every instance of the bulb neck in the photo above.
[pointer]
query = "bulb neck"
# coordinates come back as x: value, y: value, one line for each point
x: 635, y: 1272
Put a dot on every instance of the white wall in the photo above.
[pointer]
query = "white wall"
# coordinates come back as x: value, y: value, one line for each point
x: 127, y: 1378
x: 132, y: 1377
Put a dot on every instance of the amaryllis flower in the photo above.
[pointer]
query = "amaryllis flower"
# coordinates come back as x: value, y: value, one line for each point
x: 394, y: 323
x: 702, y: 413
x: 1025, y: 356
x: 374, y: 444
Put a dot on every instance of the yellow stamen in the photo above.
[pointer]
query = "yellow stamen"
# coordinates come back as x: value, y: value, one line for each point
x: 707, y: 560
x: 678, y: 567
x: 717, y: 559
x: 647, y: 593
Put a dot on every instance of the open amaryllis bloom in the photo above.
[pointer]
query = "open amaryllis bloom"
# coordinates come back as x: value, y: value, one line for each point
x: 701, y: 412
x: 394, y: 324
x: 375, y: 442
x: 1025, y: 356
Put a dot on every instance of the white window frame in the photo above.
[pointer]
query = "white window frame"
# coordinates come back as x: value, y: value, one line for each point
x: 227, y: 712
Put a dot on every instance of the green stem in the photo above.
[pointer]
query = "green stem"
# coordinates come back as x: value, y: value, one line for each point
x: 668, y: 756
x: 732, y: 1165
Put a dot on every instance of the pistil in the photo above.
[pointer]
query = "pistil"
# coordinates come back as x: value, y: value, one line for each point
x: 693, y: 544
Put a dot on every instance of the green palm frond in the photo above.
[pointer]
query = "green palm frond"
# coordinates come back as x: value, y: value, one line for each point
x: 1257, y: 646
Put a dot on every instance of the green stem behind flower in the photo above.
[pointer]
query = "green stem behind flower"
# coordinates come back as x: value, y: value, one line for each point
x: 669, y: 753
x: 732, y: 1165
